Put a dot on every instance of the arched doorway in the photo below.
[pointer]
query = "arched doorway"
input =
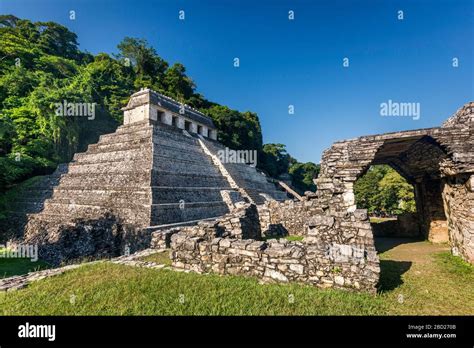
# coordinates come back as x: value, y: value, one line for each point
x: 390, y: 203
x: 418, y: 160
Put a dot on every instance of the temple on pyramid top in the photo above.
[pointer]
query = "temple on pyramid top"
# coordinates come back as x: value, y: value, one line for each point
x: 147, y: 104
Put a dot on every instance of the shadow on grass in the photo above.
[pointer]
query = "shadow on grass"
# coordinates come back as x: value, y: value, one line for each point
x: 391, y: 274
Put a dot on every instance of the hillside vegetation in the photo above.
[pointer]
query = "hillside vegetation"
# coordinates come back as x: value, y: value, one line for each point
x: 41, y: 65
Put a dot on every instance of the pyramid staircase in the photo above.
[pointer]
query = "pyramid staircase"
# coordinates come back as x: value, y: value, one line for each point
x: 148, y: 174
x: 254, y: 183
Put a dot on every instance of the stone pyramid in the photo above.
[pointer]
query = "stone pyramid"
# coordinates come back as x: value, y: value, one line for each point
x: 160, y: 168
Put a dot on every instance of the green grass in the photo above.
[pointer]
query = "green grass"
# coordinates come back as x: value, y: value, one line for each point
x: 17, y: 266
x: 455, y: 266
x: 435, y: 283
x: 110, y: 289
x: 162, y: 258
x: 294, y: 238
x: 377, y: 220
x: 290, y: 238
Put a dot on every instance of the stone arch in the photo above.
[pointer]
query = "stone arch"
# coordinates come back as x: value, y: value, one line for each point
x: 418, y: 159
x: 438, y: 161
x: 417, y: 155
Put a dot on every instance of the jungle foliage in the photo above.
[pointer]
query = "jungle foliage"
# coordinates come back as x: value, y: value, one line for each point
x: 41, y: 65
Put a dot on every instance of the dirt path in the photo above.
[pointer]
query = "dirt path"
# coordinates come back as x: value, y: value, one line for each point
x: 421, y: 278
x: 405, y: 249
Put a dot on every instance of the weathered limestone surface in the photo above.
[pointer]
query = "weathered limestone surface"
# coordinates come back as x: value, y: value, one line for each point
x: 288, y: 217
x: 458, y: 197
x: 22, y: 281
x: 242, y: 223
x: 324, y: 259
x: 147, y: 173
x: 434, y: 160
x: 405, y: 225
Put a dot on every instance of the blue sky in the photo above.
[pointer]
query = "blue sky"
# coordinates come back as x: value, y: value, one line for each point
x: 297, y: 62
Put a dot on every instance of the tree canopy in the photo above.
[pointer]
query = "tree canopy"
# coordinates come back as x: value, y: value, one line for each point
x: 41, y: 65
x: 383, y: 191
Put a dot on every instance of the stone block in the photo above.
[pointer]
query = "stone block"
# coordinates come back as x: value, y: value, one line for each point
x: 273, y: 274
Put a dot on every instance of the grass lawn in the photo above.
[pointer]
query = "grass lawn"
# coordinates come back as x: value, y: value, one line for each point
x: 16, y: 266
x: 160, y: 258
x: 417, y: 278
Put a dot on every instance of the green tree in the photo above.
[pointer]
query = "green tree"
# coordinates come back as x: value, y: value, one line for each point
x: 383, y: 190
x: 274, y: 159
x: 148, y: 66
x: 302, y: 176
x: 237, y: 130
x: 177, y: 84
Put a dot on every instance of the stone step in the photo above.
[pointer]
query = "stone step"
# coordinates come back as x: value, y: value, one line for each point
x: 26, y: 206
x: 110, y: 166
x: 64, y: 191
x: 90, y: 213
x: 176, y: 147
x: 145, y: 143
x: 174, y: 136
x: 259, y: 199
x: 124, y: 154
x: 177, y: 144
x: 100, y: 197
x: 187, y: 194
x: 161, y: 213
x: 160, y: 228
x: 171, y: 213
x: 260, y: 185
x: 248, y: 177
x: 256, y: 181
x: 125, y: 136
x: 182, y: 155
x: 128, y: 212
x: 132, y: 126
x: 99, y: 147
x: 177, y: 165
x: 168, y: 178
x: 42, y: 183
x: 98, y: 179
x: 245, y: 171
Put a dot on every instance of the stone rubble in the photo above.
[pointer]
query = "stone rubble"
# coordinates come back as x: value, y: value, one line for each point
x: 322, y: 259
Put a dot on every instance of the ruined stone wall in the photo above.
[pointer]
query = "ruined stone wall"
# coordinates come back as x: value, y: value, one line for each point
x: 458, y: 196
x: 319, y: 264
x: 430, y: 207
x: 241, y: 223
x: 307, y: 218
x: 70, y: 242
x: 405, y: 225
x: 327, y: 257
x: 286, y: 218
